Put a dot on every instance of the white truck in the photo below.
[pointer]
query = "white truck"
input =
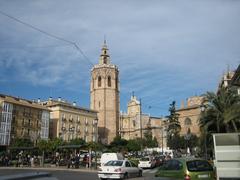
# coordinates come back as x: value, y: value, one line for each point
x: 227, y: 155
x: 110, y: 156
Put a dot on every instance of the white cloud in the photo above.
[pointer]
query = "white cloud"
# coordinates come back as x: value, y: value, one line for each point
x: 173, y: 46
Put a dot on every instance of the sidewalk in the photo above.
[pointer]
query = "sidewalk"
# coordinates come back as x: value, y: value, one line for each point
x: 49, y: 167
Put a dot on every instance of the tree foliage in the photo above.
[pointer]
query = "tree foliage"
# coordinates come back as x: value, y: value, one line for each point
x: 118, y: 144
x: 19, y: 142
x: 222, y: 112
x: 134, y: 145
x: 173, y: 127
x: 221, y: 115
x: 148, y: 140
x: 77, y: 141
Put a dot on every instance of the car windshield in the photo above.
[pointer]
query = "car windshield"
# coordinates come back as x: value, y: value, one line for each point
x: 199, y: 165
x: 114, y: 163
x: 144, y: 159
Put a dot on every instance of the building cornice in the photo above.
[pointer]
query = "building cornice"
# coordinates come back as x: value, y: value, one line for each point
x: 22, y: 102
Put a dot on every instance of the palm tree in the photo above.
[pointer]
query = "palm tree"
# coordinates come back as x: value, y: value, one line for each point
x: 222, y: 111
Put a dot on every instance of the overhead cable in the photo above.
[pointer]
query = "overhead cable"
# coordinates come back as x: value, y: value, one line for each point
x: 48, y: 34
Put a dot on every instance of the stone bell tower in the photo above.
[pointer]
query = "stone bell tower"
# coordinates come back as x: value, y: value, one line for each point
x: 104, y: 92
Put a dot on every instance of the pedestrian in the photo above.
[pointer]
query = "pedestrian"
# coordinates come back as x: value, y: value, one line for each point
x: 32, y: 161
x: 77, y: 159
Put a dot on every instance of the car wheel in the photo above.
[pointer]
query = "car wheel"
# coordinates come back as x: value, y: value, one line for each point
x: 140, y: 173
x: 125, y: 176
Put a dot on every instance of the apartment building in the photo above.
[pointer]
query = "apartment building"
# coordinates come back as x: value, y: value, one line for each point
x: 21, y: 118
x: 69, y: 121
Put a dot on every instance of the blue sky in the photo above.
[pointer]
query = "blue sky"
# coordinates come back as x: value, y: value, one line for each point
x: 165, y: 50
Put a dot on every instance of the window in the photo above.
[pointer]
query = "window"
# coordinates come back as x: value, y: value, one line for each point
x: 99, y: 104
x: 173, y: 165
x: 104, y: 60
x: 199, y: 165
x: 99, y: 81
x: 188, y: 121
x: 109, y: 81
x: 116, y: 85
x: 128, y: 164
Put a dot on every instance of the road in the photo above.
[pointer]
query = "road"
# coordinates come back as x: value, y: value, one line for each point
x: 63, y: 174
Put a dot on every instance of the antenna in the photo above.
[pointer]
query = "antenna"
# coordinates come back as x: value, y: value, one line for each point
x: 105, y: 39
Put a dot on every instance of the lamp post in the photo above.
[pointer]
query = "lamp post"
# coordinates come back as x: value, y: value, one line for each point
x: 203, y: 107
x: 162, y: 139
x: 187, y: 137
x: 94, y: 134
x: 140, y: 119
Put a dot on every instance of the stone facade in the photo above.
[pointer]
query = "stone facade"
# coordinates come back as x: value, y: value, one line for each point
x: 21, y: 118
x: 104, y: 98
x: 134, y: 123
x: 68, y: 121
x: 189, y: 115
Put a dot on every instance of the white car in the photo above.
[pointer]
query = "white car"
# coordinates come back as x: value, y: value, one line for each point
x: 119, y: 169
x: 147, y: 162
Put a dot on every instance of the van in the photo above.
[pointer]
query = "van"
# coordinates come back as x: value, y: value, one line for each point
x: 110, y: 156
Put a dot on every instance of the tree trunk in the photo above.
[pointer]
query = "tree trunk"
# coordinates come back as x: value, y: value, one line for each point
x: 234, y: 126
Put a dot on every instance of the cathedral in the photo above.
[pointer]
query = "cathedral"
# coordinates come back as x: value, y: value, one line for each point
x: 104, y: 96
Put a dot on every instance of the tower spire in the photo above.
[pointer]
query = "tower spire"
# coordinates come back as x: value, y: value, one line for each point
x: 104, y: 57
x: 105, y: 40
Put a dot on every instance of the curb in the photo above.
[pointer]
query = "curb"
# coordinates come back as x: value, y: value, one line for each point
x: 51, y: 169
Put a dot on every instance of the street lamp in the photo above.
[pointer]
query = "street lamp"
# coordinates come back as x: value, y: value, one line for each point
x: 95, y: 123
x: 187, y: 137
x: 203, y: 108
x: 94, y: 134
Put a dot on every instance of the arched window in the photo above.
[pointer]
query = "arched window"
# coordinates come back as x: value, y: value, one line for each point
x: 188, y: 121
x: 104, y: 60
x: 109, y: 81
x: 99, y: 81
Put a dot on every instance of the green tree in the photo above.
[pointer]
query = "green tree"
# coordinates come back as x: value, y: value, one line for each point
x: 134, y: 145
x: 77, y: 141
x: 173, y: 127
x: 53, y: 144
x: 221, y: 115
x: 118, y: 144
x: 43, y: 146
x: 19, y: 142
x: 222, y: 112
x: 149, y: 141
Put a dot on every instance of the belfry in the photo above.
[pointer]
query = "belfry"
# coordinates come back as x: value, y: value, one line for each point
x: 104, y: 94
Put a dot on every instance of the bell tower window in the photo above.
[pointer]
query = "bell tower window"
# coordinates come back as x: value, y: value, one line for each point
x: 99, y: 81
x: 105, y: 60
x: 109, y: 81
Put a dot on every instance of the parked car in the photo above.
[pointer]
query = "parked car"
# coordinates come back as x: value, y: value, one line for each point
x: 119, y: 169
x: 147, y: 162
x: 187, y: 169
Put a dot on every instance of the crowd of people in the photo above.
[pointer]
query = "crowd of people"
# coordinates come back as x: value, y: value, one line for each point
x: 69, y: 160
